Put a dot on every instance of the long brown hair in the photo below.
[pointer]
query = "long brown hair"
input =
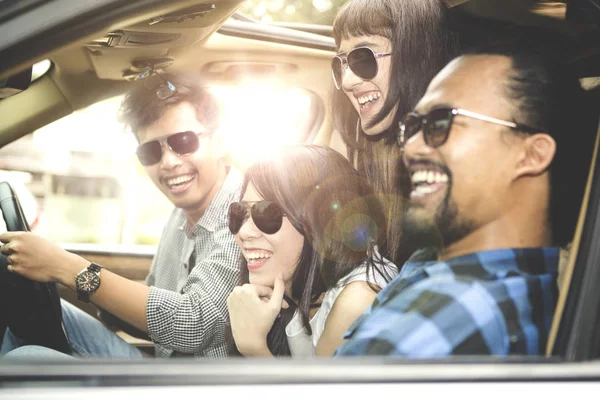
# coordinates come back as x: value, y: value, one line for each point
x: 423, y: 40
x: 335, y: 210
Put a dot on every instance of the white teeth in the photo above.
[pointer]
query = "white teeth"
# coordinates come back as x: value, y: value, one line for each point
x: 180, y: 180
x: 428, y: 177
x: 424, y: 189
x: 371, y: 97
x: 258, y: 254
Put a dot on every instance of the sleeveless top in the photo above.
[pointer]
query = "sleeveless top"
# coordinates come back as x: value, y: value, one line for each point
x: 304, y: 345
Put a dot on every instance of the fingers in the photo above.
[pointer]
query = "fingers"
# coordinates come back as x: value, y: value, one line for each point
x: 7, y: 249
x: 272, y: 296
x: 278, y: 291
x: 262, y: 291
x: 10, y: 263
x: 6, y: 237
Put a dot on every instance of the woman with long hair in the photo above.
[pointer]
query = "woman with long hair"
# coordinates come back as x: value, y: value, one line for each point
x: 388, y: 52
x: 308, y: 227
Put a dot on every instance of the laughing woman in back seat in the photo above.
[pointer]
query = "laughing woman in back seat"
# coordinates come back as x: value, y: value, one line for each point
x: 387, y: 53
x: 308, y: 226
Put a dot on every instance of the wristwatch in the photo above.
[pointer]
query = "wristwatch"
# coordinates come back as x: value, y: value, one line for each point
x: 87, y: 282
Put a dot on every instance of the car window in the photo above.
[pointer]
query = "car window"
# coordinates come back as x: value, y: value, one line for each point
x: 83, y: 184
x: 319, y: 12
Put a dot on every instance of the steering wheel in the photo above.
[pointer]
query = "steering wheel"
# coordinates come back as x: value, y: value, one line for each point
x: 32, y: 309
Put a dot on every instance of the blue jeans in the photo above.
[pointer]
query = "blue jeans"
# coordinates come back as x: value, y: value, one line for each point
x: 87, y: 336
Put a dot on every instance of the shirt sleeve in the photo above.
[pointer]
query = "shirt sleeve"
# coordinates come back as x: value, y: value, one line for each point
x: 436, y: 317
x: 195, y: 319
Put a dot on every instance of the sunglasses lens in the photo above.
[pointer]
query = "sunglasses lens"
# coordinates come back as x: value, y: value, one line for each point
x: 183, y: 142
x: 437, y: 127
x: 149, y: 153
x: 411, y: 124
x: 236, y: 216
x: 363, y: 63
x: 336, y: 69
x: 165, y: 91
x: 267, y: 217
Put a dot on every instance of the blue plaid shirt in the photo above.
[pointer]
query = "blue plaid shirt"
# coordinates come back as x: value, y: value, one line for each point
x: 496, y: 302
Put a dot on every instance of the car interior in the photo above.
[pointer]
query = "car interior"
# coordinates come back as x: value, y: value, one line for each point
x: 97, y: 50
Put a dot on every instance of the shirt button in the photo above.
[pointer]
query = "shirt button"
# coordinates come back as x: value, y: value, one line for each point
x: 514, y: 338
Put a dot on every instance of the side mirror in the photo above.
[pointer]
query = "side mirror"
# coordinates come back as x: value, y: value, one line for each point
x: 15, y: 84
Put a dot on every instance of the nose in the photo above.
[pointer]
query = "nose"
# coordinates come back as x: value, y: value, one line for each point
x: 349, y: 78
x: 169, y: 159
x: 416, y: 148
x: 248, y: 230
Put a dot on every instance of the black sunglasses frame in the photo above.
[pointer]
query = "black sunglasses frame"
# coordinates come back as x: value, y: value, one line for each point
x: 163, y: 91
x: 344, y: 63
x: 146, y: 152
x: 268, y: 224
x: 414, y: 122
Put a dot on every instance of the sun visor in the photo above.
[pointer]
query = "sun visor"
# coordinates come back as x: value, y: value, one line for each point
x: 15, y: 84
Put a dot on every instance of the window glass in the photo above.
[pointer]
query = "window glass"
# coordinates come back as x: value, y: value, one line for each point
x: 80, y: 182
x: 319, y: 12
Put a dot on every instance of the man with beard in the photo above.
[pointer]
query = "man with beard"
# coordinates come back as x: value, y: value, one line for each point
x: 498, y: 152
x: 182, y: 307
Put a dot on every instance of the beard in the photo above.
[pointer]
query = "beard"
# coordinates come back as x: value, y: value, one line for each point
x: 439, y: 229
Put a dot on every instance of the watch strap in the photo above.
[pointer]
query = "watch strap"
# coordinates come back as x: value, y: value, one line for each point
x: 94, y: 268
x: 85, y: 296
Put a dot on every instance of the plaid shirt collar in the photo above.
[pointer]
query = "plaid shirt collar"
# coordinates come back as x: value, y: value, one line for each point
x: 214, y: 212
x: 486, y: 264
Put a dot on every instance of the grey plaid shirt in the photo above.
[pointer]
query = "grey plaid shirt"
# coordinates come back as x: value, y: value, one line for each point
x: 187, y: 310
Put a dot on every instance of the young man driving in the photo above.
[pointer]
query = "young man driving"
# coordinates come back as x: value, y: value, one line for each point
x: 183, y: 306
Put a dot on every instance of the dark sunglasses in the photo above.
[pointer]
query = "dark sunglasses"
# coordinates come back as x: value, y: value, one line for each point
x: 164, y: 90
x: 362, y: 61
x: 182, y: 143
x: 437, y: 123
x: 266, y: 215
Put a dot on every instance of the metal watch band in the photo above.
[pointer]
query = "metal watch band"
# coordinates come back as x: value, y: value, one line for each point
x: 84, y: 296
x: 94, y: 268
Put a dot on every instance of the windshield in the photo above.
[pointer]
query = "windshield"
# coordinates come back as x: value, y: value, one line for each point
x: 247, y: 220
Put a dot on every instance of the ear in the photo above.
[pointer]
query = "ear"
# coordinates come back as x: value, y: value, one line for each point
x: 538, y: 152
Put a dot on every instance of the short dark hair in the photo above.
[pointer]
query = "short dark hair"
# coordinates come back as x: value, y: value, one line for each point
x: 141, y: 107
x: 546, y: 93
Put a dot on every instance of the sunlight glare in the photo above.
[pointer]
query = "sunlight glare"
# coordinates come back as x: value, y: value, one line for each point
x: 260, y: 119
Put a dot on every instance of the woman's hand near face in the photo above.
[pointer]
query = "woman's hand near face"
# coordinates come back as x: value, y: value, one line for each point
x: 252, y: 311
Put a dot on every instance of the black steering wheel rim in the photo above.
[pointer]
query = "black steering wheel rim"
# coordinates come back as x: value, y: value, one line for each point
x: 32, y: 310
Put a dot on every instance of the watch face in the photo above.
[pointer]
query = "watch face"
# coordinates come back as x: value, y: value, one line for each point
x: 88, y: 282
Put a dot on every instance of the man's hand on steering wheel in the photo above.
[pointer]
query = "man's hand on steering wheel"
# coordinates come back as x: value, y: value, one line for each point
x: 38, y: 259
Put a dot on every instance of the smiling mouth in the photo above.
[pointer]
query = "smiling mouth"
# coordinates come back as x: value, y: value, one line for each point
x: 179, y: 181
x: 257, y: 258
x: 257, y: 255
x: 367, y: 100
x: 427, y: 181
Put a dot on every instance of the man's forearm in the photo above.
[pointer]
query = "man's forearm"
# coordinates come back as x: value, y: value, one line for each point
x: 124, y: 298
